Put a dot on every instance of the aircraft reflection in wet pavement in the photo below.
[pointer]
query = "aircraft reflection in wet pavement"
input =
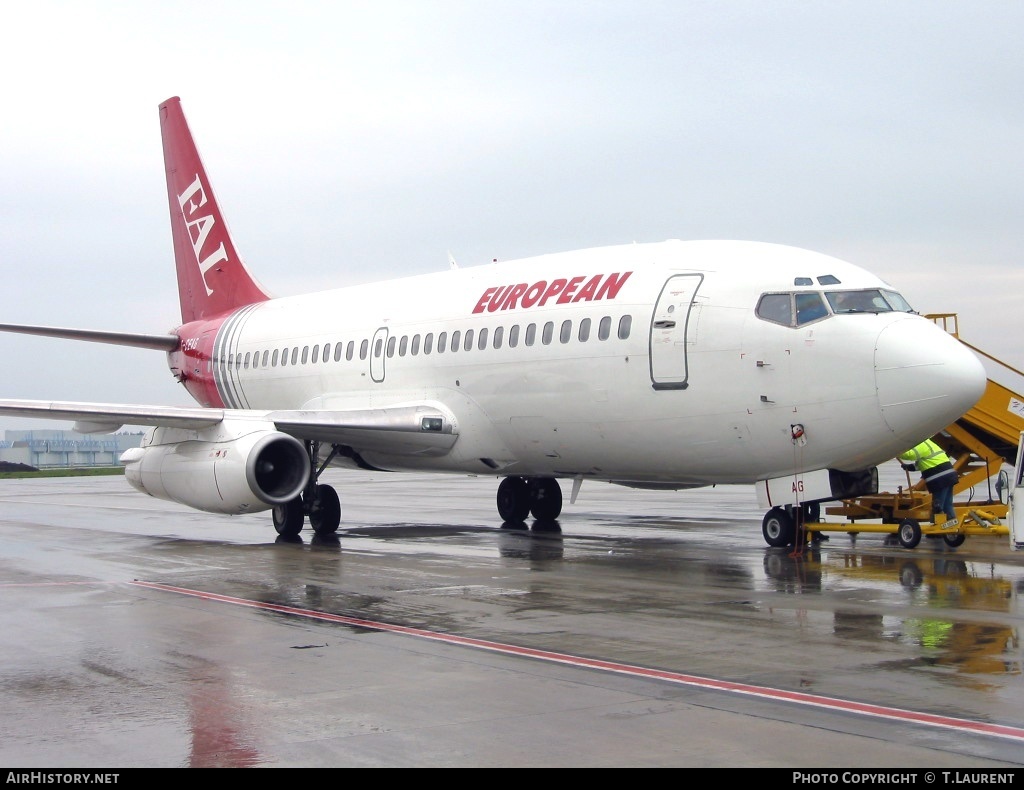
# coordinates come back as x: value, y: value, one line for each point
x: 669, y: 365
x: 968, y: 645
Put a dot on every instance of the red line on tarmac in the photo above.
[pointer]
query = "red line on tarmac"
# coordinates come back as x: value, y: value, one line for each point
x: 798, y: 697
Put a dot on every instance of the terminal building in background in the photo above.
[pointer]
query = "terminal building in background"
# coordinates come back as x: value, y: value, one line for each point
x: 48, y: 449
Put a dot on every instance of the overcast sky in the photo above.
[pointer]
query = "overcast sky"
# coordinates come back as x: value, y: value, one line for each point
x: 357, y: 141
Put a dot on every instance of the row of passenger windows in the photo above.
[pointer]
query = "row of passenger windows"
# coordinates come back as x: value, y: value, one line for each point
x: 414, y: 345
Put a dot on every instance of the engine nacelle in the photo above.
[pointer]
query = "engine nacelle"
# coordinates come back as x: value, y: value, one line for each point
x: 230, y: 469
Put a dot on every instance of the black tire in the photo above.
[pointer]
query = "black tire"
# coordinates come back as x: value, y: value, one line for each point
x: 325, y: 514
x: 955, y: 540
x: 909, y: 533
x: 545, y: 498
x: 513, y: 499
x: 778, y: 528
x: 288, y: 518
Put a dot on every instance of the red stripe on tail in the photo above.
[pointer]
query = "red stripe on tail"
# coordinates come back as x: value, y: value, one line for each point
x: 212, y: 279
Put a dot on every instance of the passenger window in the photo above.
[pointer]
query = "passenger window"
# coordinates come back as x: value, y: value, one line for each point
x: 315, y: 356
x: 273, y: 359
x: 442, y: 342
x: 499, y: 333
x: 284, y: 357
x: 338, y: 349
x: 625, y: 323
x: 428, y: 343
x: 391, y: 346
x: 403, y: 345
x: 548, y: 333
x: 604, y: 329
x: 468, y: 344
x: 531, y: 334
x: 295, y: 355
x: 455, y: 340
x: 350, y: 350
x: 245, y: 364
x: 513, y: 336
x: 566, y: 334
x: 481, y: 341
x: 266, y: 356
x: 364, y: 348
x: 378, y: 347
x: 584, y: 330
x: 415, y: 349
x: 305, y: 354
x: 327, y: 352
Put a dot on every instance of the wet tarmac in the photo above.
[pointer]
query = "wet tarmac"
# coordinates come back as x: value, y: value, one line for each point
x: 644, y: 629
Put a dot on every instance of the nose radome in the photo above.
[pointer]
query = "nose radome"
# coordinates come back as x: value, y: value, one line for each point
x: 926, y: 378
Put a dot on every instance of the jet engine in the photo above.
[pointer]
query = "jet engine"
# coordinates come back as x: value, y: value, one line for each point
x: 233, y: 469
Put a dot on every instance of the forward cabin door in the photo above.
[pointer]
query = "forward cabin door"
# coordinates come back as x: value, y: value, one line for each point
x: 668, y: 332
x: 378, y: 352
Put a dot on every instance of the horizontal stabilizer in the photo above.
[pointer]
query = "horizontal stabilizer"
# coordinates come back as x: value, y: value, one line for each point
x: 158, y: 342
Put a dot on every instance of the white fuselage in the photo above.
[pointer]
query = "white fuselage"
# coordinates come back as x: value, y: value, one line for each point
x: 677, y: 382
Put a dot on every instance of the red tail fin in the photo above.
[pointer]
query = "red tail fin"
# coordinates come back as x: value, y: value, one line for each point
x: 211, y: 277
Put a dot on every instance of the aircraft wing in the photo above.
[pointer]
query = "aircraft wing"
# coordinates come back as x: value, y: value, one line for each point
x: 107, y: 417
x: 409, y: 429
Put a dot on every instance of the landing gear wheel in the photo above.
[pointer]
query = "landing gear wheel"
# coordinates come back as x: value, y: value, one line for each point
x: 545, y: 498
x: 778, y: 528
x: 909, y: 533
x: 513, y: 499
x: 954, y: 540
x: 325, y: 514
x: 288, y: 518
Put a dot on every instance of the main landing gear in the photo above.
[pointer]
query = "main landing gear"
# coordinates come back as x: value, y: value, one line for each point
x: 317, y: 501
x: 519, y: 497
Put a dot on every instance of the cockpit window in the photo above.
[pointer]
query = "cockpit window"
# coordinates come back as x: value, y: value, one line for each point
x: 777, y: 308
x: 871, y: 300
x: 898, y: 303
x: 809, y: 307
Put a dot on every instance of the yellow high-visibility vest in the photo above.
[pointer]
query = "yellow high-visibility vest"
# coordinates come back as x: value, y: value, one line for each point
x: 925, y: 456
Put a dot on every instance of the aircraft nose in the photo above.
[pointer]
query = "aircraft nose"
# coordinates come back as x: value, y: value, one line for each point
x: 926, y: 379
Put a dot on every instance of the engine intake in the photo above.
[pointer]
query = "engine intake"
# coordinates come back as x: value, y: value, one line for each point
x: 220, y: 473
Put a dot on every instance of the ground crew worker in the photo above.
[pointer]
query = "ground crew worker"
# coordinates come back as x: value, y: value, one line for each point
x: 937, y: 472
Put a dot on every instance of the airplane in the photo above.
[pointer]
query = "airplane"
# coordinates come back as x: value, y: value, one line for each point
x: 658, y: 365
